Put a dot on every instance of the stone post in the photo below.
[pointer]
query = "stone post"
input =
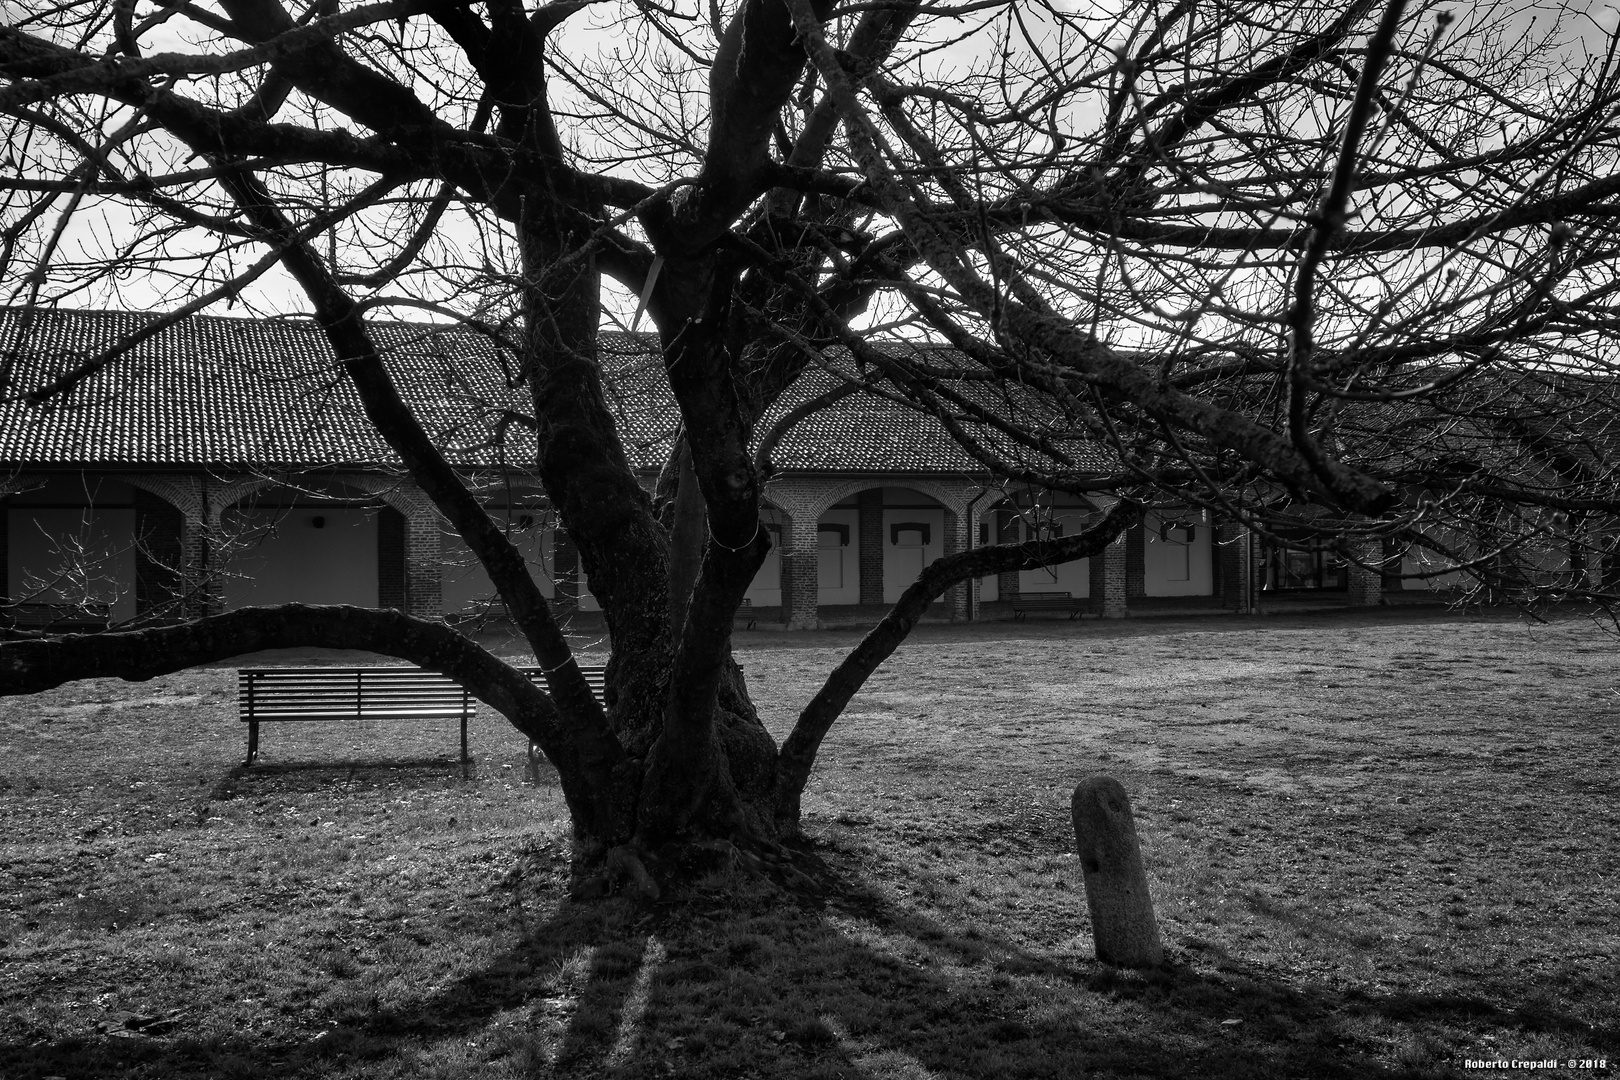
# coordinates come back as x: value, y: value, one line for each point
x: 1122, y: 921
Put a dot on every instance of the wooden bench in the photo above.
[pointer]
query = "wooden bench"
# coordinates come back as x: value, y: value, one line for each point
x: 745, y: 613
x: 1024, y: 603
x: 332, y: 693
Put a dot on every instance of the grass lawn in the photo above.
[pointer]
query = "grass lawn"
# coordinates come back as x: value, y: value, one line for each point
x: 1379, y: 845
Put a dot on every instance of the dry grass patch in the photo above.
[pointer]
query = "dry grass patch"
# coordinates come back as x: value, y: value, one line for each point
x: 1378, y: 846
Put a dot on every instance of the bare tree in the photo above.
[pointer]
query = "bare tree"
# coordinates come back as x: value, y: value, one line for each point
x: 1338, y: 273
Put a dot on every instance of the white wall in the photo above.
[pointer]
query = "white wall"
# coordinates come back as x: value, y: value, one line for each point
x: 67, y: 555
x: 1074, y: 577
x: 1173, y: 564
x: 280, y: 557
x: 766, y: 588
x: 467, y: 587
x: 838, y: 565
x: 903, y: 562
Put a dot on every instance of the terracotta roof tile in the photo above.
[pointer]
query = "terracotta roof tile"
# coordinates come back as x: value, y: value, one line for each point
x: 228, y: 392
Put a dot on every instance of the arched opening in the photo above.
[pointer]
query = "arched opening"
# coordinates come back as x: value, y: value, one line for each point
x: 531, y: 526
x: 1033, y: 517
x: 319, y: 542
x: 70, y: 552
x: 1177, y: 553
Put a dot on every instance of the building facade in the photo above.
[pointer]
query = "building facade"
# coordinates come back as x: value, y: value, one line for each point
x: 222, y: 463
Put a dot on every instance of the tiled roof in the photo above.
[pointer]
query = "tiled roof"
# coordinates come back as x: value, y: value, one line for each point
x: 230, y: 392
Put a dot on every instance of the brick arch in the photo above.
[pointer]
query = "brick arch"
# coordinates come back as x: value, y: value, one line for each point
x: 227, y: 495
x: 951, y: 497
x: 184, y: 497
x: 400, y: 494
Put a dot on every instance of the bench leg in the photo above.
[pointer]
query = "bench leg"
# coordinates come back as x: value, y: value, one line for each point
x: 253, y: 742
x: 465, y: 760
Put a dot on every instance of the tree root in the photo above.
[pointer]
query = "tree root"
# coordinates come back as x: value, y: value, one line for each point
x: 650, y: 877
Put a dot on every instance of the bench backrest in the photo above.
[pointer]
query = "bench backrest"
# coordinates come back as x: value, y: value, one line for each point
x: 265, y: 692
x: 595, y: 676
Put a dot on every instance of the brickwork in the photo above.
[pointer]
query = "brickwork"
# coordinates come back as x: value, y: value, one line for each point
x: 194, y: 591
x: 956, y: 539
x: 1365, y: 584
x: 159, y: 557
x: 1231, y: 566
x: 391, y: 559
x: 1108, y: 573
x: 801, y: 502
x: 870, y: 507
x: 424, y: 558
x: 800, y: 573
x: 1135, y: 563
x: 1007, y: 533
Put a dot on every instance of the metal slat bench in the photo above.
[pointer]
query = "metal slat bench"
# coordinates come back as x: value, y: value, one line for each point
x: 329, y: 693
x: 383, y: 693
x: 595, y: 677
x: 1046, y: 601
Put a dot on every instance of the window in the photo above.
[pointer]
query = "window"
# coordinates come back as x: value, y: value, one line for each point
x: 1176, y: 538
x: 910, y: 534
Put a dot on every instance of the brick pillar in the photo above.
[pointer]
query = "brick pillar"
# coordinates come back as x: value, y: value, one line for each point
x: 159, y: 557
x: 801, y: 573
x: 956, y: 539
x: 424, y: 560
x: 1007, y: 533
x: 870, y: 510
x: 1108, y: 594
x: 1365, y: 586
x: 197, y: 545
x: 1135, y: 562
x: 565, y: 571
x: 391, y: 591
x: 1234, y: 569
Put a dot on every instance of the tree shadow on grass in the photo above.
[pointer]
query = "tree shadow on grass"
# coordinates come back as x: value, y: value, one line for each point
x: 318, y: 777
x: 765, y: 984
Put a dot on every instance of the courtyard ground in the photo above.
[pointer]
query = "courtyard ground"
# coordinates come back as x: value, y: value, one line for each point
x: 1379, y: 844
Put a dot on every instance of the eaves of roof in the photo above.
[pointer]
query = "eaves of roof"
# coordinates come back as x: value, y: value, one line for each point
x: 230, y: 394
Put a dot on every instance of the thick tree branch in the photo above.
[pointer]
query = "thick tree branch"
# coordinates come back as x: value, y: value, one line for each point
x: 338, y: 316
x: 799, y: 750
x: 32, y: 665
